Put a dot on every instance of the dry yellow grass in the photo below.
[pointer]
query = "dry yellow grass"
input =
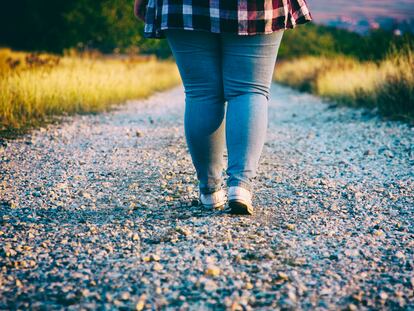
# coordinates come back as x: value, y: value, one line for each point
x: 349, y: 85
x: 34, y: 87
x: 388, y: 85
x: 302, y: 73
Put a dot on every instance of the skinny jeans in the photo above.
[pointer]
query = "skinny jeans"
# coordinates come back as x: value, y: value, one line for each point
x: 227, y: 79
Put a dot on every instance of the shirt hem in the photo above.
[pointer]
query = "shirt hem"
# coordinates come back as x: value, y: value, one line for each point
x: 159, y: 33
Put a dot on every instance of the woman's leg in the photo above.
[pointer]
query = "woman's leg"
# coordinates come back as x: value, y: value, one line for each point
x: 198, y: 58
x: 248, y: 65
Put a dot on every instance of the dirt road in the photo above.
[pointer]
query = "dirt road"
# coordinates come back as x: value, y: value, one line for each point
x: 100, y: 213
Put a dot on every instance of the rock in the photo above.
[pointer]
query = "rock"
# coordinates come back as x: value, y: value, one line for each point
x: 282, y: 276
x: 85, y: 293
x: 175, y: 251
x: 399, y: 255
x: 383, y: 295
x: 183, y: 231
x: 352, y: 252
x: 151, y: 257
x: 388, y: 154
x: 334, y: 223
x: 86, y: 195
x: 157, y: 266
x: 213, y: 271
x: 210, y: 285
x: 249, y: 286
x: 108, y: 297
x: 9, y: 252
x: 155, y: 257
x: 141, y: 303
x: 291, y: 226
x: 37, y: 194
x: 125, y: 296
x: 292, y: 295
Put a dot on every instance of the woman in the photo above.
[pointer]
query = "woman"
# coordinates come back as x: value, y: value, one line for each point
x: 225, y: 51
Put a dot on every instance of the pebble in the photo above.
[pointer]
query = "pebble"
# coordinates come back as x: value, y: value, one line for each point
x: 213, y: 271
x: 291, y: 226
x: 94, y: 219
x: 383, y: 295
x: 125, y: 296
x: 388, y: 154
x: 151, y: 257
x: 249, y: 286
x: 283, y: 276
x: 157, y: 266
x: 210, y: 285
x: 400, y: 255
x: 183, y: 231
x: 141, y: 303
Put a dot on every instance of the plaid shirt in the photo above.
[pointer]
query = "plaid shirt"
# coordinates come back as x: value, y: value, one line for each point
x: 243, y: 17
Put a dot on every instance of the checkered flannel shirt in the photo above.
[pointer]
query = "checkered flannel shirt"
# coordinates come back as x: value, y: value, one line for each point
x: 243, y: 17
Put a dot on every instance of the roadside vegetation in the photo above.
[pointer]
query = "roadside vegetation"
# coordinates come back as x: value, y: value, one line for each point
x: 35, y: 86
x: 73, y: 74
x: 379, y: 74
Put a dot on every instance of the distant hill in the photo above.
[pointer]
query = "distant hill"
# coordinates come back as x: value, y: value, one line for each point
x: 360, y: 16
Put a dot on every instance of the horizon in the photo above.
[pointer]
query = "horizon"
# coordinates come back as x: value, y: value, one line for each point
x: 324, y: 10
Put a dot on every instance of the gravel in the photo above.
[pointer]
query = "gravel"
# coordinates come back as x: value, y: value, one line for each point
x: 101, y: 212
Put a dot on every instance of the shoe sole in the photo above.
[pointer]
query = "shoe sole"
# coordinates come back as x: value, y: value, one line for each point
x: 240, y: 208
x: 213, y: 207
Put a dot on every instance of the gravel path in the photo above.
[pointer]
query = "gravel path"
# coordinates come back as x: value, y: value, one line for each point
x: 101, y: 212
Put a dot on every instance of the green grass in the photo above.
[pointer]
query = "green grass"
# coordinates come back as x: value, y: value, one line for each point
x: 36, y: 87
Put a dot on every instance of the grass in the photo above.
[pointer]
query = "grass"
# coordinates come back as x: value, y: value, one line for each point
x: 36, y: 87
x: 387, y: 86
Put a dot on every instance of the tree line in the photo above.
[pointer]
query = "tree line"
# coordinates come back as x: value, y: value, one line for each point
x: 55, y: 25
x: 110, y: 25
x: 321, y: 40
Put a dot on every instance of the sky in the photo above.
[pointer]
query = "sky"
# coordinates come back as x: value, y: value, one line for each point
x: 323, y: 10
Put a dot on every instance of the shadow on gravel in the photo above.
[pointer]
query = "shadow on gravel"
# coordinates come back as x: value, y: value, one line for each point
x: 103, y: 215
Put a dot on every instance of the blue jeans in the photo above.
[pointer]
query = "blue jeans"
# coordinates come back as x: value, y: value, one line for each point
x: 215, y: 69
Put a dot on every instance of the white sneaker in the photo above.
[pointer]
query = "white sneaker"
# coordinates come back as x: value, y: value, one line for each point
x: 213, y: 200
x: 240, y: 201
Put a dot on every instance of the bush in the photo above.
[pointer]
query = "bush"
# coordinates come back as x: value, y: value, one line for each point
x: 44, y: 85
x: 387, y: 85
